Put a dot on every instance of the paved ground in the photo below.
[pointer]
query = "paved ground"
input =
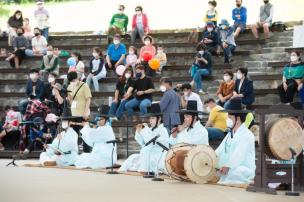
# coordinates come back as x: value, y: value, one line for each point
x: 24, y: 184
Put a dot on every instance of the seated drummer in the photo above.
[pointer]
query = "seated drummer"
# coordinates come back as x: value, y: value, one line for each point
x: 151, y: 157
x: 64, y: 149
x: 194, y: 132
x: 236, y: 153
x: 97, y: 138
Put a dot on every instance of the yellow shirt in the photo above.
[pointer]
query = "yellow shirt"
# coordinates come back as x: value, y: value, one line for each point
x: 79, y: 102
x: 218, y: 119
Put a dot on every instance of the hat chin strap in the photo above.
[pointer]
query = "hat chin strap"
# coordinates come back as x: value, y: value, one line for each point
x: 156, y: 124
x: 191, y: 125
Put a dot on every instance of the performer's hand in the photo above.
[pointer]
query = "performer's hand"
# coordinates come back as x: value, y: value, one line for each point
x: 224, y: 170
x: 57, y: 153
x: 174, y: 132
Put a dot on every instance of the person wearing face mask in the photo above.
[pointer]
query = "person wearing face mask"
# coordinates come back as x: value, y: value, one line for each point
x: 97, y: 138
x: 265, y: 20
x: 162, y: 57
x: 63, y: 151
x: 169, y: 104
x: 211, y: 39
x: 227, y: 41
x: 42, y: 18
x: 123, y: 93
x: 239, y: 15
x: 189, y: 95
x: 212, y: 14
x: 53, y: 93
x: 97, y: 69
x: 119, y: 22
x: 226, y: 88
x: 150, y: 158
x: 50, y: 63
x: 147, y: 48
x: 20, y: 43
x: 14, y: 22
x: 79, y: 67
x: 293, y: 75
x: 132, y: 58
x: 201, y: 67
x: 116, y: 54
x: 140, y: 25
x: 236, y: 153
x: 143, y: 87
x: 216, y: 124
x: 34, y: 86
x: 195, y: 132
x: 243, y: 89
x: 39, y: 44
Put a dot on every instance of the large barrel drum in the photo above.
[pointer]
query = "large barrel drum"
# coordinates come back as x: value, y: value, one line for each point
x: 282, y: 135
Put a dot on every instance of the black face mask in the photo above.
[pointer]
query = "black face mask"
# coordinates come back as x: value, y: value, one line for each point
x: 19, y: 34
x: 37, y: 34
x: 238, y: 5
x: 266, y: 2
x: 138, y: 75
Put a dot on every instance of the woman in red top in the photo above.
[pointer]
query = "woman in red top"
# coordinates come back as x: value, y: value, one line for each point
x: 150, y: 49
x: 139, y: 24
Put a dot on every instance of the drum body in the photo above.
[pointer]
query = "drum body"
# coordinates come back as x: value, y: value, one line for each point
x: 175, y: 161
x: 281, y: 135
x: 194, y: 163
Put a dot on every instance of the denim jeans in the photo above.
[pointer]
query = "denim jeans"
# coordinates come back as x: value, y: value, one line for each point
x: 45, y: 33
x: 136, y: 31
x: 30, y: 52
x: 117, y: 109
x: 302, y: 95
x: 95, y: 80
x: 143, y: 104
x: 197, y: 77
x: 228, y: 52
x: 215, y: 134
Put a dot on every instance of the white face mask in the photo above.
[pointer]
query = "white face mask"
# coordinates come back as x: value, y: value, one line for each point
x: 131, y: 52
x: 51, y: 79
x: 229, y: 123
x: 162, y: 88
x: 223, y: 26
x: 120, y: 12
x: 293, y: 58
x: 226, y: 78
x: 115, y: 41
x: 210, y: 29
x: 64, y: 124
x: 208, y: 109
x: 49, y: 52
x: 201, y: 52
x: 33, y: 77
x: 160, y: 51
x: 138, y: 12
x: 147, y: 43
x: 239, y: 75
x: 95, y: 55
x: 128, y: 76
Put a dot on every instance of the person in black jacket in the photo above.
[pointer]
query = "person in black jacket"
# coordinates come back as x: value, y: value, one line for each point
x: 97, y: 68
x: 243, y: 88
x: 211, y: 39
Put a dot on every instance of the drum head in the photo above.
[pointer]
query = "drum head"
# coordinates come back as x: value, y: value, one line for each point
x: 284, y: 134
x: 200, y: 164
x: 175, y: 161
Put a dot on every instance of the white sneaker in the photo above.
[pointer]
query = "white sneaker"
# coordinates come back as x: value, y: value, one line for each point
x: 202, y: 92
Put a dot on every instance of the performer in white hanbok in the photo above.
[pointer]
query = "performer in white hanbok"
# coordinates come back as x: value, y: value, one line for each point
x: 151, y: 157
x: 64, y: 149
x: 193, y: 132
x: 99, y: 139
x: 236, y: 153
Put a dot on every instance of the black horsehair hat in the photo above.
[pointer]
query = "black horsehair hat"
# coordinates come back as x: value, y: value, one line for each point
x: 67, y: 116
x: 191, y: 108
x: 154, y: 110
x: 234, y: 107
x: 104, y: 111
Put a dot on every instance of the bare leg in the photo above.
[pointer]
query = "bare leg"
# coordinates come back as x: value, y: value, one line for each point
x: 237, y: 32
x: 266, y: 30
x: 17, y: 62
x: 254, y: 29
x: 10, y: 57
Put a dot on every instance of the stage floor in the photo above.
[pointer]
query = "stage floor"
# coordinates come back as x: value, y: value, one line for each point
x: 29, y: 184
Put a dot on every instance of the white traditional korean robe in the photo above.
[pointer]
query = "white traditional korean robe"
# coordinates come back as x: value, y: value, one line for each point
x: 237, y: 153
x: 101, y: 154
x: 151, y: 157
x: 67, y: 144
x: 196, y: 135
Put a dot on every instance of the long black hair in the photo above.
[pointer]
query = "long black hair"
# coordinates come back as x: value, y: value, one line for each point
x: 16, y: 12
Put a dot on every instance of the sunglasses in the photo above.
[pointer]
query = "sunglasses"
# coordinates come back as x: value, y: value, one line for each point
x: 137, y: 10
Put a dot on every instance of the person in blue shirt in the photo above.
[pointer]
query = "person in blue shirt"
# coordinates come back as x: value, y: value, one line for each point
x: 116, y: 54
x: 211, y: 39
x: 239, y: 15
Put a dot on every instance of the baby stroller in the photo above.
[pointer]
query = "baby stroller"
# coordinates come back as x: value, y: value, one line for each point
x: 39, y: 126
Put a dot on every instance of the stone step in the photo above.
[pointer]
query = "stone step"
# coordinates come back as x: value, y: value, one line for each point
x: 278, y: 44
x: 269, y: 56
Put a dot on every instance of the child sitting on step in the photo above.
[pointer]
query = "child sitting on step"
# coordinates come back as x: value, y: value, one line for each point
x: 162, y: 57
